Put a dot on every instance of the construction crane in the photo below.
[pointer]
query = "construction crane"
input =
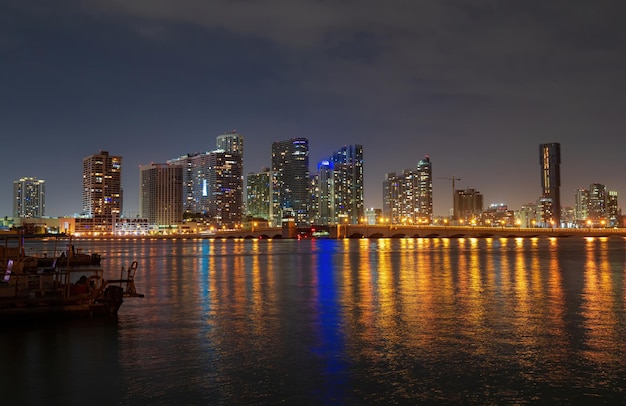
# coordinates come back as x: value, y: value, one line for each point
x: 453, y: 179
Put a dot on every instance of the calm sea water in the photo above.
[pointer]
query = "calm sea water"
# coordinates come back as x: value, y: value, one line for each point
x: 471, y: 321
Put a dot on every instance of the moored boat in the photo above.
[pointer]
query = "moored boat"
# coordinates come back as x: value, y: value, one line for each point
x: 80, y: 292
x: 61, y: 290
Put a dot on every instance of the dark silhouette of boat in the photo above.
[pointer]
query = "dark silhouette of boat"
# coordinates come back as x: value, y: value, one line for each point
x: 59, y: 290
x: 71, y: 257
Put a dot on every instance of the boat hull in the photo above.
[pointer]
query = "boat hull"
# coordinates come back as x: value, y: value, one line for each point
x: 71, y: 307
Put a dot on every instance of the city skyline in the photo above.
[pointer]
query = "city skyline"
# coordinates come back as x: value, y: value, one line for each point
x: 475, y: 87
x: 234, y: 141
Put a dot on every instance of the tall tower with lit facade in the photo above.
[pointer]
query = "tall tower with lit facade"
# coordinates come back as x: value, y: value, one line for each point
x: 613, y: 212
x: 424, y: 198
x: 161, y: 193
x: 102, y: 186
x: 290, y: 181
x: 597, y: 202
x: 400, y: 197
x: 224, y: 188
x: 550, y: 161
x: 343, y: 194
x: 258, y: 194
x: 391, y: 195
x: 597, y: 206
x: 227, y: 172
x: 189, y: 165
x: 581, y: 205
x: 213, y: 181
x: 29, y: 198
x: 408, y: 197
x: 324, y: 184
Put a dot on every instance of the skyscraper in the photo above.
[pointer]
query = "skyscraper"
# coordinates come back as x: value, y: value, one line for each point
x: 225, y: 188
x: 400, y: 200
x: 424, y: 190
x: 597, y: 202
x: 341, y: 186
x: 29, y: 198
x: 258, y: 194
x: 391, y: 196
x: 550, y: 161
x: 102, y: 186
x: 581, y: 205
x: 290, y: 181
x: 189, y: 164
x: 325, y: 194
x: 213, y: 181
x: 161, y: 199
x: 227, y: 195
x: 408, y: 197
x: 613, y: 212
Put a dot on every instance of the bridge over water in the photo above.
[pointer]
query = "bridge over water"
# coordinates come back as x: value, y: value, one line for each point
x: 400, y: 231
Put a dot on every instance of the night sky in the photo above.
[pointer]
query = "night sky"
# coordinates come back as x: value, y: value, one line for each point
x: 477, y: 86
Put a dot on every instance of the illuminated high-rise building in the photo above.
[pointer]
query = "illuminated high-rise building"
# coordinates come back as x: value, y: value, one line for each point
x: 581, y: 205
x: 545, y: 210
x: 161, y: 194
x: 339, y: 187
x: 29, y: 198
x: 550, y: 161
x: 189, y: 165
x: 213, y: 181
x: 424, y: 198
x: 226, y: 176
x: 597, y: 202
x: 314, y: 197
x: 402, y: 199
x: 230, y: 142
x: 408, y: 197
x: 224, y: 188
x: 568, y: 215
x: 258, y: 194
x: 196, y: 168
x: 391, y: 196
x: 325, y: 194
x: 346, y: 196
x: 102, y: 186
x: 290, y: 181
x: 613, y: 213
x: 527, y: 215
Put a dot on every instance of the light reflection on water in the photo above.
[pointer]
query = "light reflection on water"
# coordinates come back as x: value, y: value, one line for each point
x: 495, y: 320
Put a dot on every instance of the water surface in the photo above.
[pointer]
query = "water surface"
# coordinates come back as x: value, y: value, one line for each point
x: 474, y: 321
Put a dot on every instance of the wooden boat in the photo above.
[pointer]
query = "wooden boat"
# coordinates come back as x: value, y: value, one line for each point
x: 62, y: 290
x: 78, y: 292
